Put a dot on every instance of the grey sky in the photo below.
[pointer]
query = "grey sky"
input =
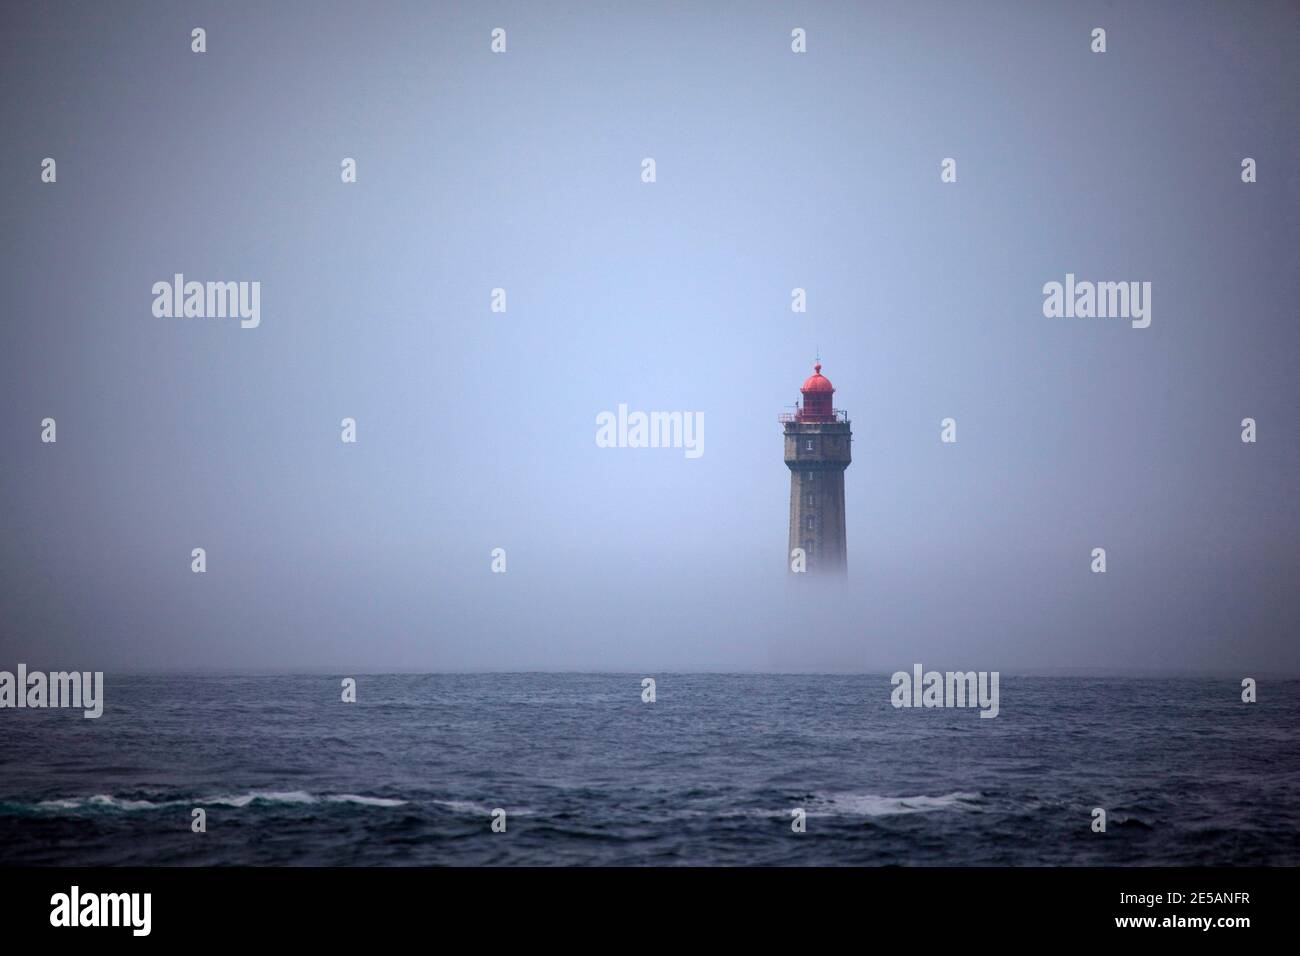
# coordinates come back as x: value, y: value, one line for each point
x: 476, y: 430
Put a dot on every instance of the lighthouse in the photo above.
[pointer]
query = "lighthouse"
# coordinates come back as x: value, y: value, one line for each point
x: 818, y: 445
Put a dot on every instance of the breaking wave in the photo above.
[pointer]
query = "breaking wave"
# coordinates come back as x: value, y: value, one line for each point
x: 875, y: 805
x: 108, y: 802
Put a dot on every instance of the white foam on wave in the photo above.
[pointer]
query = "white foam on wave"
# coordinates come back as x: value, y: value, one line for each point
x: 876, y: 805
x: 265, y: 796
x: 478, y: 809
x: 365, y: 801
x: 108, y: 801
x: 101, y: 800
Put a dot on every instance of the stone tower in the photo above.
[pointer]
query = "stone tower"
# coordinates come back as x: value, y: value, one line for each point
x: 818, y: 447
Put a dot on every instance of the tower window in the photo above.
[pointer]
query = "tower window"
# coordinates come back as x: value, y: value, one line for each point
x: 810, y: 501
x: 808, y: 445
x: 810, y: 522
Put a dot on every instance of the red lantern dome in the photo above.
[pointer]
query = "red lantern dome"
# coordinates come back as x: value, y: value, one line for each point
x: 817, y: 392
x: 817, y: 382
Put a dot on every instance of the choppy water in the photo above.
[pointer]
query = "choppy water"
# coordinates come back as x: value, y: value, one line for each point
x: 708, y: 774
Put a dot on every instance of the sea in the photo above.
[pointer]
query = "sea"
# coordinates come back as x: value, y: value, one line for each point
x: 713, y: 772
